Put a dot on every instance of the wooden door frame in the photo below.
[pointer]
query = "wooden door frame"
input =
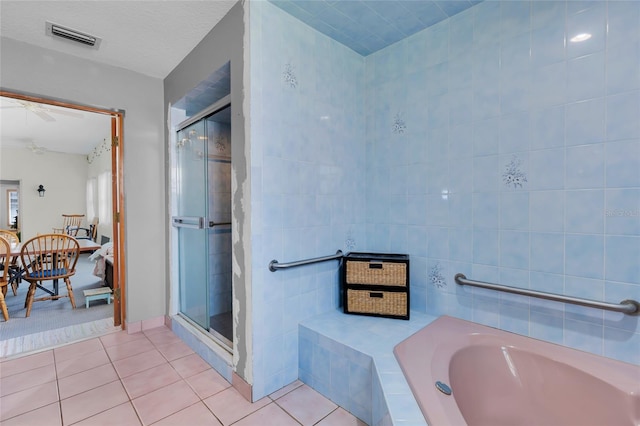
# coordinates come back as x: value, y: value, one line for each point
x: 117, y: 192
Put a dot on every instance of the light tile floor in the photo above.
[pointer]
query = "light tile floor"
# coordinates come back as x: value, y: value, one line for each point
x: 145, y: 378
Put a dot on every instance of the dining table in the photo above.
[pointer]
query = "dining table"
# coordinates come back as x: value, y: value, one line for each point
x: 85, y: 246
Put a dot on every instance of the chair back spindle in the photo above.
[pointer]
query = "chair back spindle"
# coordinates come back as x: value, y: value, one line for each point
x: 70, y: 224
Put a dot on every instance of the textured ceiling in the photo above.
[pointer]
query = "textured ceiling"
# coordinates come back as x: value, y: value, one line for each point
x: 367, y: 26
x: 150, y: 37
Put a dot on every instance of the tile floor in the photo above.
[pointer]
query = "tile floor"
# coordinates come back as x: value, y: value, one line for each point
x: 144, y: 378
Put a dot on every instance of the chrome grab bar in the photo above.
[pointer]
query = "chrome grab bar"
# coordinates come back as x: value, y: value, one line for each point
x: 274, y: 265
x: 629, y: 307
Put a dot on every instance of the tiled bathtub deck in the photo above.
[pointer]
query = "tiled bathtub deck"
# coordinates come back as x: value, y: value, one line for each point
x: 349, y: 359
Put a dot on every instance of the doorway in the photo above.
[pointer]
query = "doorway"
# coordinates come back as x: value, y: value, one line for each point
x: 48, y: 110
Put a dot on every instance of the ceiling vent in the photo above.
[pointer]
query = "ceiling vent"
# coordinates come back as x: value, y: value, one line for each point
x: 58, y: 31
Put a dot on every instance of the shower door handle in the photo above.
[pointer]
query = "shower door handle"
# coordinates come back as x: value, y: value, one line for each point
x: 213, y: 224
x: 193, y: 222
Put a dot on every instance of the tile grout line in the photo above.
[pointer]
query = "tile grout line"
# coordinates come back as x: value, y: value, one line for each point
x: 328, y: 414
x: 57, y: 379
x: 130, y: 401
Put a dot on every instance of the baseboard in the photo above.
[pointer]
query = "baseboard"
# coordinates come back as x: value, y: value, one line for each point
x: 138, y: 326
x: 244, y: 388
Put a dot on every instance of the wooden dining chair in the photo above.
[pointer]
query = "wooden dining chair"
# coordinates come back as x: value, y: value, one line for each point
x: 90, y: 233
x: 5, y: 252
x: 70, y: 224
x: 49, y: 257
x: 10, y: 236
x: 14, y: 265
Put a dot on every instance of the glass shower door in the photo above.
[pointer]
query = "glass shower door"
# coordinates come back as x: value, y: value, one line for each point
x: 191, y: 223
x: 218, y: 128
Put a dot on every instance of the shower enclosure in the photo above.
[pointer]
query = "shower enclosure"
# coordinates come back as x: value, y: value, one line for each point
x: 203, y: 220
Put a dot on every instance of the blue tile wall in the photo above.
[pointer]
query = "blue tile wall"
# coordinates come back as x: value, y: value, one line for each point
x: 487, y: 144
x: 519, y: 163
x: 307, y: 181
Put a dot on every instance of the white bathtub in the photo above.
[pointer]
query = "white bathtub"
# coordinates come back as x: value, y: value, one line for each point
x: 500, y: 378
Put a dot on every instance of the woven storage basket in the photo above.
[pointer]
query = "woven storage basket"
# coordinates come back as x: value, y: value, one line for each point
x: 376, y: 284
x: 385, y: 273
x: 387, y: 303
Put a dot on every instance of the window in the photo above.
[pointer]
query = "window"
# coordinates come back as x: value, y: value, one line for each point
x: 92, y: 199
x: 12, y: 208
x: 104, y: 198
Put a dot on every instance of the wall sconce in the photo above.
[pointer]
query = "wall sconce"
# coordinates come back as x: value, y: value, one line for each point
x: 41, y: 190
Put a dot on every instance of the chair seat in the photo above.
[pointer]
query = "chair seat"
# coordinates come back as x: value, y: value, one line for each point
x: 48, y: 273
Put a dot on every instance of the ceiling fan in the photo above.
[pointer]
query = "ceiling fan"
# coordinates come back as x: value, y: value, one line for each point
x: 32, y: 146
x: 41, y: 110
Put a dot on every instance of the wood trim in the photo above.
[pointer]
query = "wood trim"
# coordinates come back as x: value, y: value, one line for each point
x: 117, y: 300
x: 117, y: 154
x: 117, y: 172
x: 123, y: 265
x: 64, y: 104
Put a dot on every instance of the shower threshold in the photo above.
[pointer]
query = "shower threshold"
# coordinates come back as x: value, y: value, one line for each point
x: 221, y: 327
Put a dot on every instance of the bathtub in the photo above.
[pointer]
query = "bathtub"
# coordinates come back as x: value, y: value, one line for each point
x: 500, y: 378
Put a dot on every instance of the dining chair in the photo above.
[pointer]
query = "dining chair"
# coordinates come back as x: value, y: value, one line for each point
x: 14, y: 265
x: 10, y: 236
x: 5, y: 252
x: 70, y: 224
x: 49, y: 257
x: 90, y: 233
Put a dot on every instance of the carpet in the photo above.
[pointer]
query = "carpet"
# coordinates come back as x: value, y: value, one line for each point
x: 55, y: 314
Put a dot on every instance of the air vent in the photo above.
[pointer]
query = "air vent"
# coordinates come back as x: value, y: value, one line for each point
x: 58, y: 31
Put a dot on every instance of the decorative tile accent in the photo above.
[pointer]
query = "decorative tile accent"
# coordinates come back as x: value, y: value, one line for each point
x: 435, y: 276
x: 220, y: 143
x: 514, y: 177
x: 289, y: 76
x: 350, y: 241
x: 399, y: 125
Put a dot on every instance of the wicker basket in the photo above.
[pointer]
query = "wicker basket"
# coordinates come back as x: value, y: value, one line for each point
x: 385, y: 303
x: 376, y: 273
